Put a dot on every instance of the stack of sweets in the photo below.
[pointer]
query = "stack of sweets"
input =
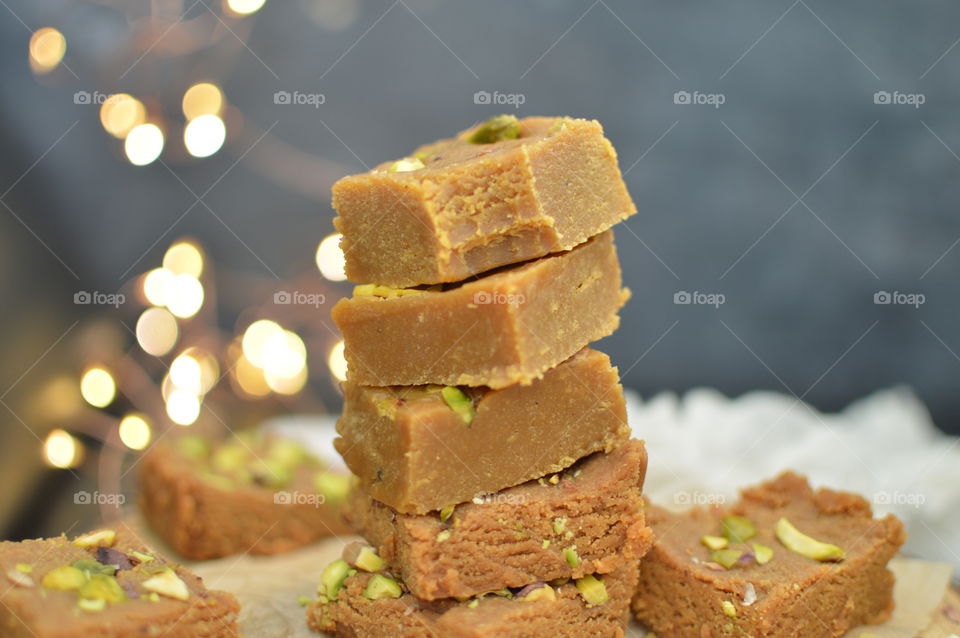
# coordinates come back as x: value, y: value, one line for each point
x: 498, y: 491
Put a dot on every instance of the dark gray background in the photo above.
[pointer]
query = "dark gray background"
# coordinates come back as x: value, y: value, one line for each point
x: 717, y: 188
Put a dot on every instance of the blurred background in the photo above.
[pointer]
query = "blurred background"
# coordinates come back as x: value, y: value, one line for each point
x: 167, y: 164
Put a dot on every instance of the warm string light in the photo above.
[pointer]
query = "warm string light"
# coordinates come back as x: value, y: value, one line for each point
x: 330, y: 259
x: 47, y: 47
x: 244, y: 7
x: 134, y: 431
x: 144, y: 144
x: 98, y: 387
x: 62, y: 450
x: 337, y: 362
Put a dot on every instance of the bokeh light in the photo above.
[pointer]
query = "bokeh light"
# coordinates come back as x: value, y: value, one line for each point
x: 135, y: 431
x: 184, y: 258
x: 47, y: 46
x: 144, y: 144
x: 156, y: 286
x: 202, y: 99
x: 255, y: 339
x: 337, y: 361
x: 250, y: 378
x: 244, y: 7
x: 204, y: 135
x: 330, y: 259
x: 121, y: 113
x: 157, y: 331
x: 286, y: 384
x: 284, y: 355
x: 186, y: 296
x: 185, y: 373
x: 98, y: 387
x: 62, y: 450
x: 183, y: 407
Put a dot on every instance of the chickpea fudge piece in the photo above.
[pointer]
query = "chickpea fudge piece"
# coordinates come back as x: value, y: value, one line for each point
x: 106, y: 584
x: 355, y: 602
x: 500, y: 193
x: 784, y: 561
x: 508, y: 327
x: 249, y: 493
x: 422, y: 448
x: 587, y: 519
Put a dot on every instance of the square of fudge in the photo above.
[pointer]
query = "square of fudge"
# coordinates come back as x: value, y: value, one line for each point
x: 209, y: 496
x: 457, y: 208
x: 505, y: 328
x: 376, y: 605
x: 587, y: 519
x: 785, y: 560
x: 422, y: 448
x: 107, y: 584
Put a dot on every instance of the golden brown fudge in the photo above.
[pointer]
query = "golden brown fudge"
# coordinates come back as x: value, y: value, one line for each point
x: 249, y: 493
x: 458, y: 208
x: 589, y: 519
x: 784, y: 561
x: 105, y: 584
x: 377, y: 606
x: 422, y: 448
x: 508, y: 327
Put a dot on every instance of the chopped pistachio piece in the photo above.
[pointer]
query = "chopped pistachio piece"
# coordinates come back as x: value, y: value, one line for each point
x: 496, y: 129
x: 571, y: 556
x: 369, y: 561
x: 103, y: 587
x: 738, y: 529
x: 556, y: 127
x: 592, y: 589
x: 533, y: 594
x: 89, y: 566
x: 25, y: 568
x: 473, y: 604
x: 332, y: 485
x: 729, y: 609
x: 726, y: 557
x: 143, y: 558
x: 380, y: 586
x: 559, y: 525
x: 798, y: 542
x: 100, y: 538
x: 92, y: 604
x: 554, y: 479
x: 332, y: 577
x: 230, y: 457
x: 446, y: 513
x: 714, y: 542
x: 303, y: 601
x: 443, y: 536
x: 406, y: 165
x: 545, y: 544
x: 288, y: 453
x: 65, y: 578
x: 459, y: 402
x: 762, y: 553
x: 168, y: 584
x: 19, y: 578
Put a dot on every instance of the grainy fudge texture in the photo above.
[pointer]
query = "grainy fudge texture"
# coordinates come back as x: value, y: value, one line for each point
x: 106, y: 584
x: 589, y: 519
x: 686, y: 591
x: 415, y: 452
x: 508, y: 327
x: 477, y: 206
x: 247, y: 494
x: 568, y: 615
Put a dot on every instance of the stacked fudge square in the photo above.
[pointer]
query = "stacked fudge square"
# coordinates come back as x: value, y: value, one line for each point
x: 498, y: 490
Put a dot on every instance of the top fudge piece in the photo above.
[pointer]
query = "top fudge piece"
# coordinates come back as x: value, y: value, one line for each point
x: 503, y: 192
x: 106, y: 584
x: 784, y: 561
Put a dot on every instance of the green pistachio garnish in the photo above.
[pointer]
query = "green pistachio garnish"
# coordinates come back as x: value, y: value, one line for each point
x: 545, y: 544
x: 443, y: 536
x: 459, y: 402
x: 333, y: 486
x: 24, y: 568
x: 100, y: 538
x: 542, y: 592
x: 729, y: 609
x: 496, y: 129
x: 738, y: 529
x: 89, y: 566
x: 143, y: 558
x: 406, y: 165
x: 303, y: 601
x: 272, y: 473
x: 446, y: 513
x: 714, y: 542
x: 380, y: 586
x: 92, y: 604
x: 559, y: 525
x: 592, y: 589
x: 168, y: 584
x: 558, y: 126
x: 103, y: 587
x: 473, y: 604
x: 64, y: 578
x: 726, y: 557
x: 332, y: 578
x: 798, y: 542
x: 368, y: 560
x: 762, y: 553
x: 571, y: 556
x: 287, y: 453
x: 230, y: 457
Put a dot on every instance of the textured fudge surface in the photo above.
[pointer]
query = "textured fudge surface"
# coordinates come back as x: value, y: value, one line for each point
x: 508, y: 327
x: 520, y: 535
x: 413, y: 452
x: 569, y: 616
x: 474, y: 207
x: 682, y: 592
x: 31, y: 609
x: 246, y: 494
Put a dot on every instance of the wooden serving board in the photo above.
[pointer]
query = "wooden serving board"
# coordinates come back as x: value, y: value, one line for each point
x: 268, y: 589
